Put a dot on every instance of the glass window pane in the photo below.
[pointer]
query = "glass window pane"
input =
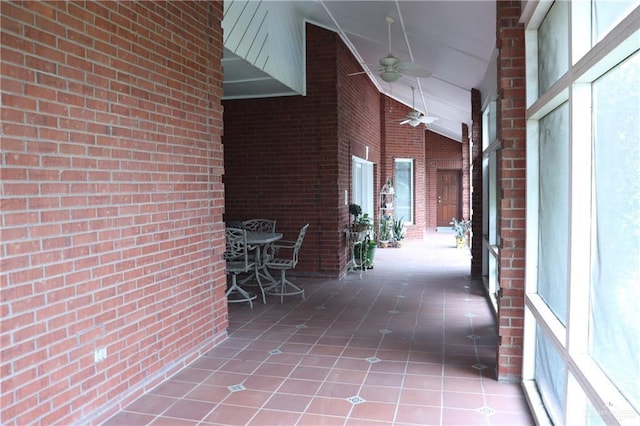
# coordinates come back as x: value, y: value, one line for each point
x: 615, y: 288
x: 553, y: 45
x: 362, y: 185
x: 582, y: 411
x: 553, y: 222
x: 607, y: 13
x: 593, y: 417
x: 404, y: 190
x: 550, y: 372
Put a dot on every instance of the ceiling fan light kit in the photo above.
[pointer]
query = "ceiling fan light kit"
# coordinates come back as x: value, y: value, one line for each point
x: 390, y: 76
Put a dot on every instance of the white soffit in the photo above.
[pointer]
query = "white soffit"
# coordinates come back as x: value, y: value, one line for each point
x: 264, y: 46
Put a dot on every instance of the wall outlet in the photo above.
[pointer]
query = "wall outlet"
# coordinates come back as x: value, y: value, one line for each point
x: 100, y: 354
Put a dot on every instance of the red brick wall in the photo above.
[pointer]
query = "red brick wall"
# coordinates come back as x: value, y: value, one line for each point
x: 441, y: 153
x: 511, y: 186
x: 111, y: 202
x: 359, y: 124
x: 404, y: 141
x: 289, y: 158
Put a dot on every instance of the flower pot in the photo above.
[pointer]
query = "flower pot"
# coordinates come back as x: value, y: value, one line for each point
x: 371, y: 254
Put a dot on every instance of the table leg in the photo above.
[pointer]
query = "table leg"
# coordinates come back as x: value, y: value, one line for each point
x: 260, y: 271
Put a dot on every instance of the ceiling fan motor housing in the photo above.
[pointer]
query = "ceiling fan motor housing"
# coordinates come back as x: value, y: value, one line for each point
x: 389, y: 61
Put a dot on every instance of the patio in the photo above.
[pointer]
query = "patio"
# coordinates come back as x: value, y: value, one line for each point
x: 411, y: 342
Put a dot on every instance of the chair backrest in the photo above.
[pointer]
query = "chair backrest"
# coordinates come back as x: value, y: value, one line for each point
x: 260, y: 225
x: 236, y: 252
x: 298, y: 244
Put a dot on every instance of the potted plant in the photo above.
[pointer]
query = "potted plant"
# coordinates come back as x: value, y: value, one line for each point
x: 361, y: 222
x: 399, y: 231
x: 356, y: 211
x: 371, y: 253
x: 364, y: 252
x: 461, y: 229
x: 385, y: 231
x: 365, y: 223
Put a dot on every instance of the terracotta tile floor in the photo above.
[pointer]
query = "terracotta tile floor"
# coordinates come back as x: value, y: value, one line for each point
x: 412, y: 342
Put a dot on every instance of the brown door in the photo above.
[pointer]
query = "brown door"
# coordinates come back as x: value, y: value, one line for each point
x: 448, y: 196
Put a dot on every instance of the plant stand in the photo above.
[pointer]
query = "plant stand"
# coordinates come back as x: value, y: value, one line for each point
x: 386, y: 206
x: 371, y: 253
x: 357, y: 244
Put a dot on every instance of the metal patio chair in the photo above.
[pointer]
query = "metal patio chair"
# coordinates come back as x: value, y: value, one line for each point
x: 238, y: 261
x: 283, y: 256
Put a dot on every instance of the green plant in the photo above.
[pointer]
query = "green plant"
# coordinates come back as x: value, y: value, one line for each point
x: 460, y: 227
x: 365, y: 221
x: 356, y: 211
x: 385, y: 229
x: 399, y: 229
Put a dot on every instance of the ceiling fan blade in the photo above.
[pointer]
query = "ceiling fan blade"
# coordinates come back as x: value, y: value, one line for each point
x: 412, y: 70
x: 427, y: 120
x: 405, y: 121
x: 357, y: 73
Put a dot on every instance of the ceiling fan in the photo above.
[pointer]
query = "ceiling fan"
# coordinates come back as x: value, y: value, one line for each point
x: 415, y: 118
x: 391, y: 69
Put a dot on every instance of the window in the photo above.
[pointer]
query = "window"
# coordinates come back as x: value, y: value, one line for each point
x: 490, y: 235
x: 582, y: 335
x: 362, y: 184
x: 403, y: 172
x: 615, y: 270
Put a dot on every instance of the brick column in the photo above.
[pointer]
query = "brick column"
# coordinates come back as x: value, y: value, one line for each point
x: 511, y: 188
x: 466, y: 181
x: 476, y: 183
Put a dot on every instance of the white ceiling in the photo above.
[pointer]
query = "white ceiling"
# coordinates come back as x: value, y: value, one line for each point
x: 454, y: 40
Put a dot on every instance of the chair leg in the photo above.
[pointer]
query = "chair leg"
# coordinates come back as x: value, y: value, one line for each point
x: 282, y: 280
x: 246, y: 297
x: 284, y: 283
x: 295, y: 288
